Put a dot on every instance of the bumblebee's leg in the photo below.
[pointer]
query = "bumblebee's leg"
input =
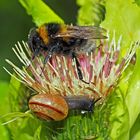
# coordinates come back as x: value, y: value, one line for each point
x: 50, y: 53
x: 47, y: 58
x: 80, y: 75
x: 35, y: 53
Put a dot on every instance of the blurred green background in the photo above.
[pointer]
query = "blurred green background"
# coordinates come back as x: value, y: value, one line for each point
x: 15, y: 25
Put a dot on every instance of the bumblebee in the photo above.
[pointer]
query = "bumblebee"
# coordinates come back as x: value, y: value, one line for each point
x: 67, y: 40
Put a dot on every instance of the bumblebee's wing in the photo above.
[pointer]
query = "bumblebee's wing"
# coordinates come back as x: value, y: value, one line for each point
x: 83, y: 32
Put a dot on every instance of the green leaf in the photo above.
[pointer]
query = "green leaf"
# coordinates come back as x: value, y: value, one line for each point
x: 133, y: 93
x: 119, y: 117
x: 23, y: 128
x: 137, y: 2
x: 37, y: 133
x: 17, y: 121
x: 4, y: 135
x: 40, y: 12
x: 137, y: 136
x: 24, y: 136
x: 135, y: 130
x: 123, y: 17
x: 18, y: 95
x: 90, y: 12
x: 10, y: 117
x: 4, y: 107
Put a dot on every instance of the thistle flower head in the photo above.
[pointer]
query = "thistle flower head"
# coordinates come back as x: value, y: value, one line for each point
x: 101, y: 69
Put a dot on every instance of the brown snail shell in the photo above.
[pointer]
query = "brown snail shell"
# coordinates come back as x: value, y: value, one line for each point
x: 49, y: 107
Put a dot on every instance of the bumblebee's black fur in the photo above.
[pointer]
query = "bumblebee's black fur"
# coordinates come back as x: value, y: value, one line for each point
x: 52, y: 28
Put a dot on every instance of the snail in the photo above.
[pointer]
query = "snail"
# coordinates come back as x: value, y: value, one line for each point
x: 56, y: 107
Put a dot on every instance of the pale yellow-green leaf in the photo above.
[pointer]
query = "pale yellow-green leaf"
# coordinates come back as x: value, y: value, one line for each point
x: 40, y: 12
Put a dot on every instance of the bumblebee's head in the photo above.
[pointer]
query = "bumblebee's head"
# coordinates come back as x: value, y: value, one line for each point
x: 35, y: 42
